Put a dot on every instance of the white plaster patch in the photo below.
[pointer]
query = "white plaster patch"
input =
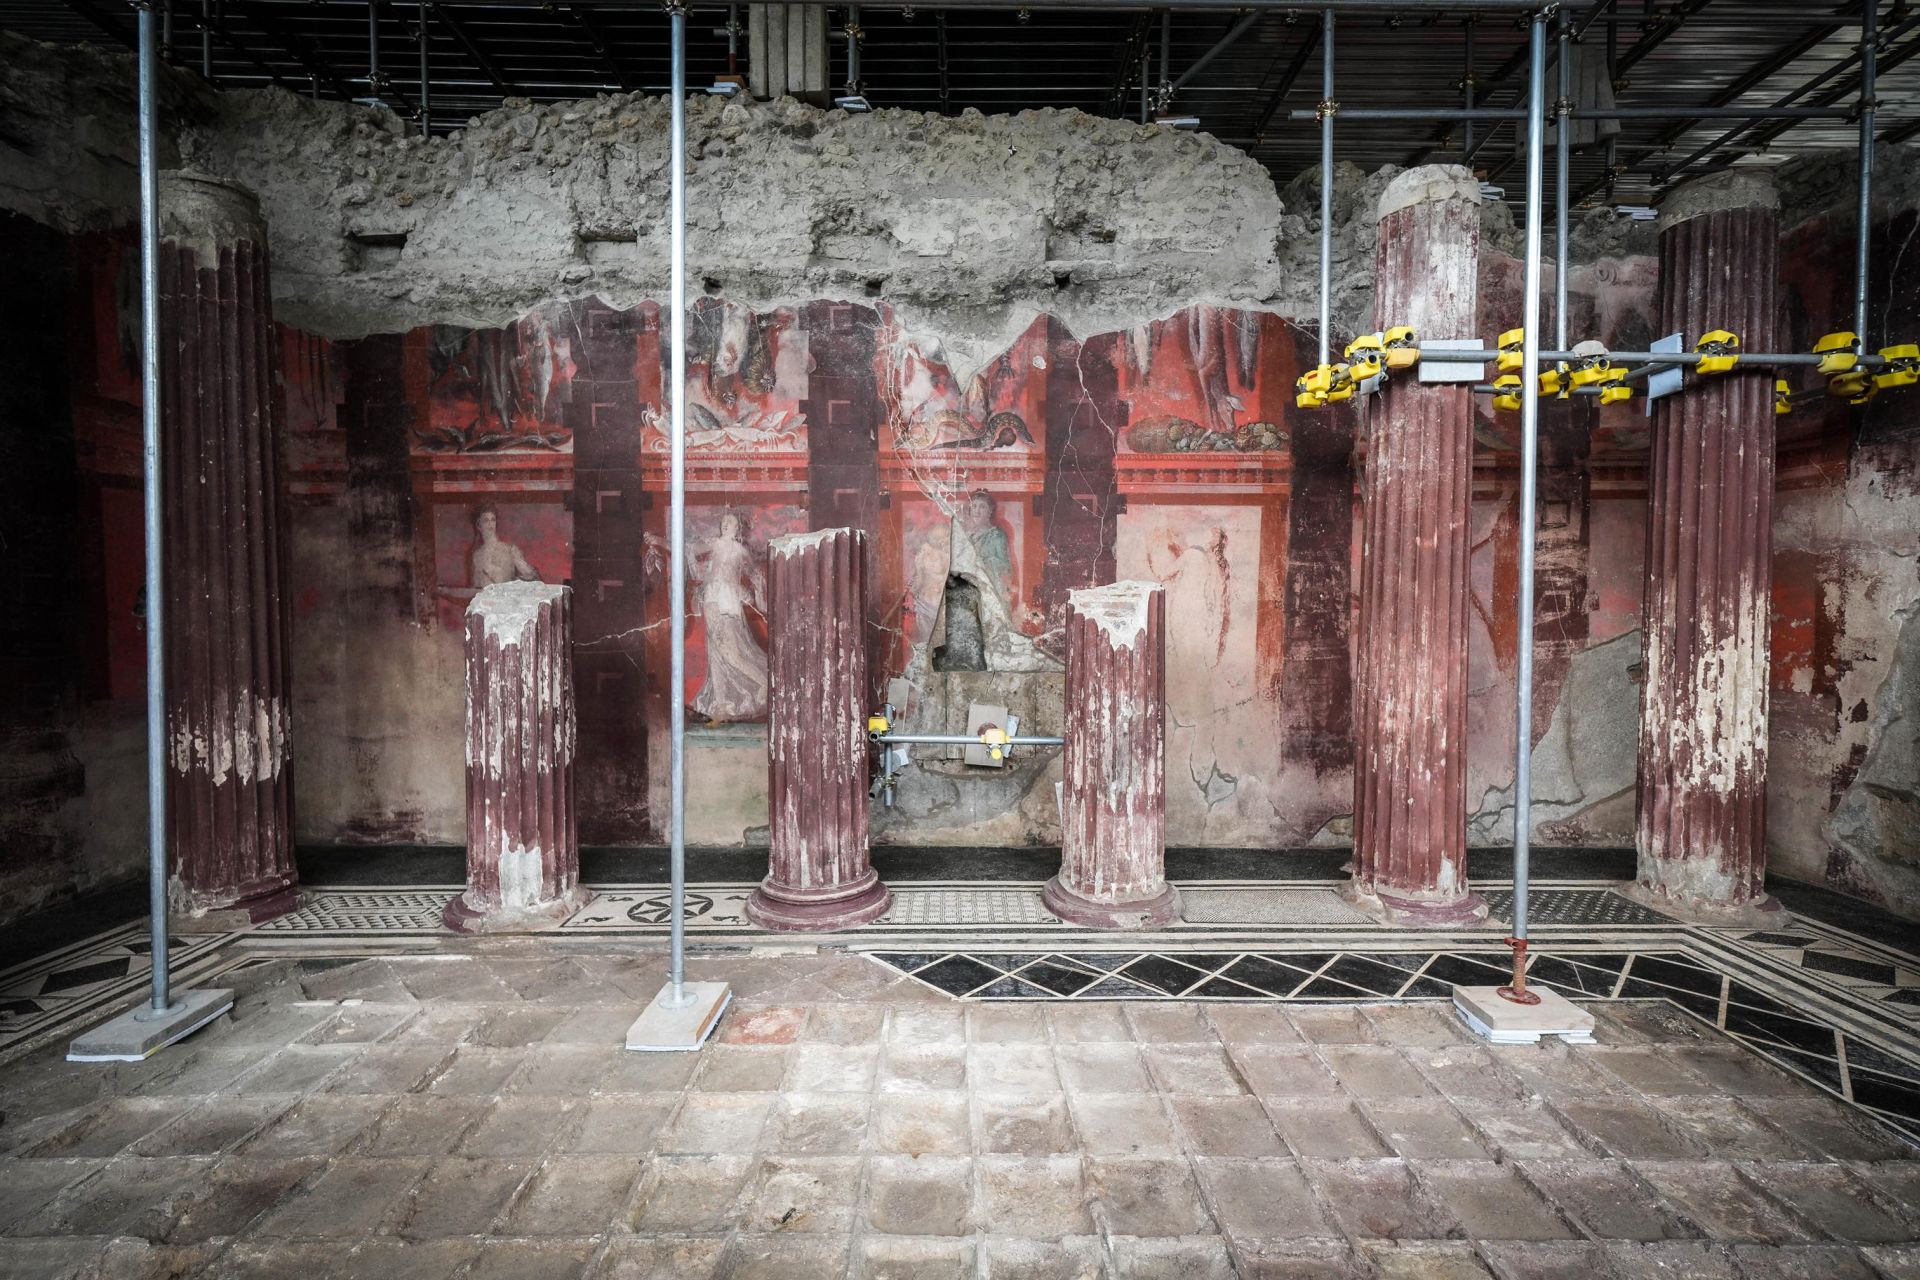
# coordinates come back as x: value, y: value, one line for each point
x: 1119, y: 609
x: 510, y: 610
x: 793, y: 544
x: 249, y: 743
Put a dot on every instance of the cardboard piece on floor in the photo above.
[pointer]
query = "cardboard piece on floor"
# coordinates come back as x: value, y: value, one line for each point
x: 139, y: 1033
x: 661, y: 1028
x: 1501, y: 1021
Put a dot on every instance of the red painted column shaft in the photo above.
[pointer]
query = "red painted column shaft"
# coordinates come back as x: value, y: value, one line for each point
x: 523, y: 850
x: 229, y: 777
x: 1113, y: 812
x: 1701, y: 832
x: 819, y: 874
x: 1410, y: 676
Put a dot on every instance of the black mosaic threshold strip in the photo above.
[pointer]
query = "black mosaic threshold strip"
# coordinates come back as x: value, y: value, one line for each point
x: 1874, y: 1075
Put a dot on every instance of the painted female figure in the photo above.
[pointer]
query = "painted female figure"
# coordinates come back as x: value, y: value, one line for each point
x: 728, y: 582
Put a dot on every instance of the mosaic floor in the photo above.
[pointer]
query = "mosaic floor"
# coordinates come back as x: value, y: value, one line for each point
x: 1837, y: 1009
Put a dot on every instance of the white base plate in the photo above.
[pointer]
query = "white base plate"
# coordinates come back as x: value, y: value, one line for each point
x: 1501, y: 1021
x: 662, y: 1029
x: 138, y: 1034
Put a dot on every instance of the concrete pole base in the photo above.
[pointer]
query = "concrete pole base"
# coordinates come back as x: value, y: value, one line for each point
x: 1501, y: 1021
x: 663, y: 1027
x: 139, y: 1033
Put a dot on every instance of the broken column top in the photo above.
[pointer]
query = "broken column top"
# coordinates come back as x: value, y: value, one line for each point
x: 792, y: 544
x: 1728, y: 189
x: 203, y: 212
x: 1119, y: 609
x: 510, y: 609
x: 1430, y: 182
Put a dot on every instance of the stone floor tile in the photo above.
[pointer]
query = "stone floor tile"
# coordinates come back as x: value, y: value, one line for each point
x: 650, y: 1072
x: 1296, y: 1259
x: 1012, y: 1066
x: 1605, y: 1199
x: 269, y: 1025
x: 1665, y: 1259
x: 1165, y: 1258
x: 206, y: 1071
x: 365, y: 1023
x: 1648, y: 1069
x: 531, y: 1260
x: 1726, y: 1130
x: 1122, y: 1124
x: 572, y: 1196
x: 1169, y: 1024
x: 212, y: 1127
x: 475, y: 1070
x: 1331, y: 1024
x: 736, y: 1068
x: 917, y: 1068
x: 1829, y: 1198
x: 1423, y: 1129
x: 604, y: 1025
x: 1491, y: 1202
x: 350, y: 1198
x: 1801, y: 1262
x: 1254, y: 1023
x: 1544, y: 1259
x: 1740, y: 1073
x: 1895, y: 1262
x: 773, y: 1024
x: 1191, y: 1069
x: 112, y: 1127
x: 1111, y: 1067
x: 1469, y: 1074
x: 918, y: 1123
x: 1284, y: 1071
x: 927, y: 1026
x: 391, y: 1068
x: 832, y: 1068
x: 517, y: 1028
x: 371, y: 979
x: 549, y: 979
x: 1023, y: 1124
x: 451, y: 977
x: 272, y: 1260
x: 397, y: 1259
x: 1553, y: 1070
x: 846, y: 1024
x: 563, y: 1069
x: 130, y: 1258
x: 626, y: 1124
x: 1258, y: 1199
x: 1379, y: 1199
x: 518, y: 1127
x: 918, y: 1197
x: 913, y: 1258
x: 1897, y: 1182
x: 1526, y: 1132
x: 27, y: 1185
x: 818, y: 1123
x: 130, y: 1196
x: 1013, y: 1258
x: 660, y: 1258
x: 717, y: 1124
x: 1032, y: 1197
x: 1374, y: 1071
x: 805, y: 1195
x: 234, y: 1193
x: 1006, y: 1024
x: 785, y: 1257
x: 1146, y: 1197
x: 1713, y: 1196
x: 1418, y: 1025
x: 298, y: 1068
x: 1829, y: 1128
x: 422, y: 1124
x: 441, y: 1023
x: 1424, y: 1260
x: 1215, y: 1126
x: 1627, y: 1127
x: 1093, y: 1022
x: 461, y: 1197
x: 1648, y: 1022
x: 1324, y: 1128
x: 692, y: 1194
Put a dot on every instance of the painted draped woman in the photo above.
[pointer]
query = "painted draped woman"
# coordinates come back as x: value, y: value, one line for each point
x: 728, y: 582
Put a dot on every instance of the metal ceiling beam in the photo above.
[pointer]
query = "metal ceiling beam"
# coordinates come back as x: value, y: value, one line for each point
x: 1238, y: 29
x: 1199, y: 6
x: 294, y: 45
x: 480, y: 56
x: 1281, y: 90
x: 217, y: 27
x: 584, y: 21
x: 91, y: 12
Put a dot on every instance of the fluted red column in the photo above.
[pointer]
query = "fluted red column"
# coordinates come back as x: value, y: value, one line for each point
x: 1410, y: 676
x: 1703, y: 709
x: 523, y: 852
x: 229, y: 781
x: 1113, y: 810
x: 819, y: 874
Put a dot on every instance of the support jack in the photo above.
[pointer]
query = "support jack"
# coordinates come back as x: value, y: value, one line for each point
x: 679, y: 1021
x: 138, y: 1034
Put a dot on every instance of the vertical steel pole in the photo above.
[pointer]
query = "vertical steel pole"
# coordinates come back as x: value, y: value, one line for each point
x: 373, y: 49
x: 1529, y: 460
x: 852, y: 28
x: 426, y: 93
x: 1863, y: 234
x: 150, y: 450
x: 206, y: 39
x: 1467, y: 83
x: 1326, y: 183
x: 1146, y: 112
x: 677, y: 517
x: 1166, y: 55
x: 733, y: 39
x: 166, y: 31
x: 1562, y: 147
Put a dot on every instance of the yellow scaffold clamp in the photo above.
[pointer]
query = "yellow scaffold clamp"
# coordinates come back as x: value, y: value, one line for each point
x: 1322, y: 386
x: 1593, y: 366
x: 1855, y: 386
x: 995, y: 739
x: 1719, y: 350
x: 1402, y: 347
x: 1366, y: 356
x: 1506, y: 391
x: 1782, y: 397
x: 1553, y: 382
x: 1613, y: 386
x: 1512, y: 350
x: 877, y: 724
x: 1838, y: 352
x: 1902, y: 368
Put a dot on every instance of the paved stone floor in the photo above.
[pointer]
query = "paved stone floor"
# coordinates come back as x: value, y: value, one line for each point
x: 472, y: 1115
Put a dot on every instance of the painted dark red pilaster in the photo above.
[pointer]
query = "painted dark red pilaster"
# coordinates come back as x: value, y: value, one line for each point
x: 523, y: 850
x: 1410, y: 678
x: 819, y: 873
x: 1113, y: 799
x: 1701, y: 832
x: 229, y: 775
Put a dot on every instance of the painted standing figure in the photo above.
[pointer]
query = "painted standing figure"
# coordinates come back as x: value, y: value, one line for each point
x: 494, y: 558
x: 728, y: 582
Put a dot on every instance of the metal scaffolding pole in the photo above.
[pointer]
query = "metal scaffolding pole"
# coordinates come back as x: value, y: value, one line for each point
x: 426, y: 91
x: 1863, y: 233
x: 1327, y: 109
x: 1562, y: 158
x: 150, y: 452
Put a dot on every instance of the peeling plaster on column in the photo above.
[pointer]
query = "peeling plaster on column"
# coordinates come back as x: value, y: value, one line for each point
x: 1119, y: 610
x: 252, y: 746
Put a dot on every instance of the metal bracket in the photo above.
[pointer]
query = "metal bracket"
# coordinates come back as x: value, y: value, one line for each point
x: 1326, y: 107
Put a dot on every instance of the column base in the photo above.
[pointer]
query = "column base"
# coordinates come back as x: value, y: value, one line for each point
x: 1468, y: 911
x: 1755, y: 912
x: 846, y: 906
x: 465, y: 915
x: 258, y: 908
x: 1141, y: 913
